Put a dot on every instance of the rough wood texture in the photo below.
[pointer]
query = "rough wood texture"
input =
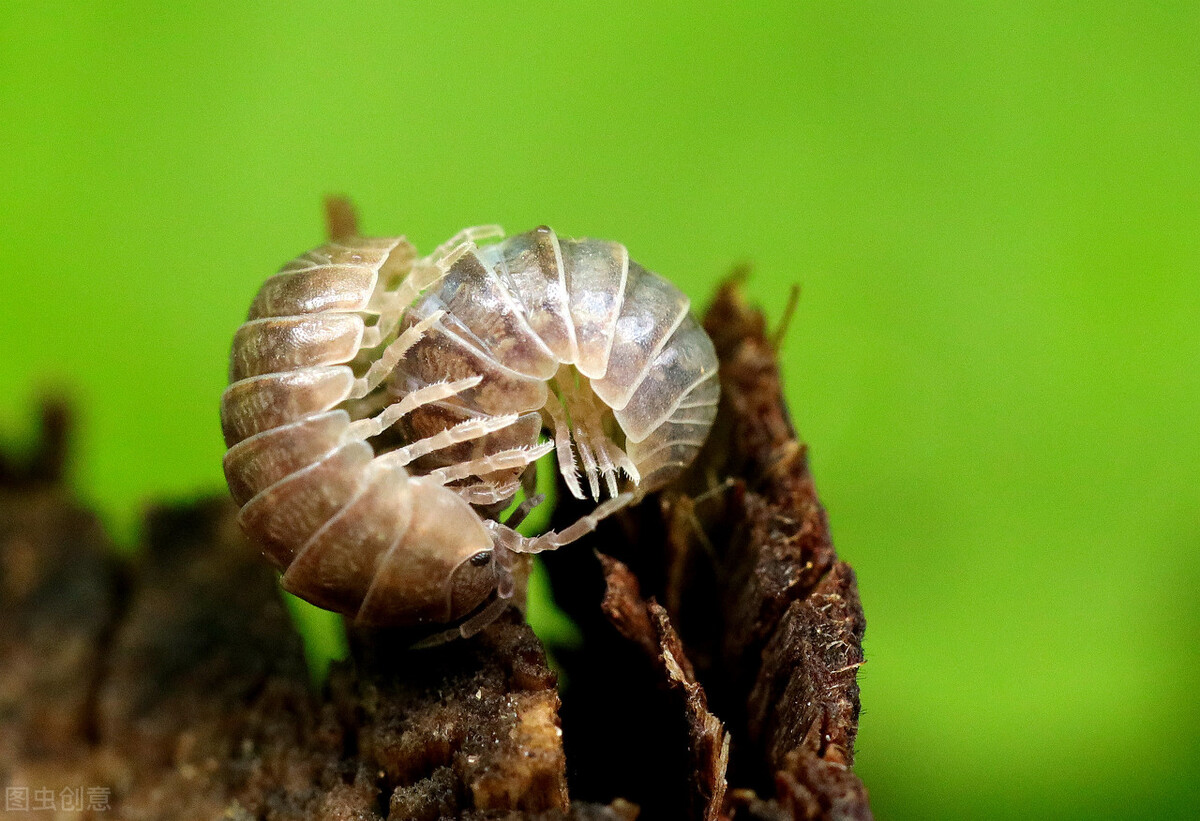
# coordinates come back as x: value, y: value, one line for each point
x: 793, y: 621
x: 647, y: 624
x: 716, y: 678
x: 762, y: 611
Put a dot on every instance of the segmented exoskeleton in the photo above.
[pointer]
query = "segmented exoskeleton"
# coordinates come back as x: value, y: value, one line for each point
x: 383, y: 407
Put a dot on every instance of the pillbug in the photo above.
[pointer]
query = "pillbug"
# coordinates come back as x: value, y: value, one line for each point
x: 383, y: 407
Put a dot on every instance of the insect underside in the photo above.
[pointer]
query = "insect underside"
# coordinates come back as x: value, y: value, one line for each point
x: 383, y: 407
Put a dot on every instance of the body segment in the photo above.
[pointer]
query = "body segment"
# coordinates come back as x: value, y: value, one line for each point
x: 383, y: 405
x: 606, y: 353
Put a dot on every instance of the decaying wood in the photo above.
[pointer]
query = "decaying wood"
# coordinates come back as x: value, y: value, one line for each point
x: 793, y: 621
x: 715, y: 680
x: 741, y: 558
x: 647, y: 624
x: 59, y: 599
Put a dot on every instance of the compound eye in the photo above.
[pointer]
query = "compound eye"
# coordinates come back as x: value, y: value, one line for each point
x: 481, y: 558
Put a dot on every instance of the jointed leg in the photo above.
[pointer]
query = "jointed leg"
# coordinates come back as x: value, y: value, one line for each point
x: 599, y: 441
x: 607, y: 469
x: 484, y: 493
x: 575, y: 398
x: 523, y: 510
x: 600, y: 455
x: 562, y: 446
x: 486, y: 616
x: 427, y: 271
x: 588, y: 459
x: 621, y: 461
x: 529, y: 479
x: 554, y: 540
x: 467, y: 235
x: 391, y: 355
x: 505, y: 459
x: 474, y: 624
x: 464, y: 431
x: 366, y: 428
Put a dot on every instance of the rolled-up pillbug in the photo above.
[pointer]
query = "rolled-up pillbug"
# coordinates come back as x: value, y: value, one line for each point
x: 383, y: 407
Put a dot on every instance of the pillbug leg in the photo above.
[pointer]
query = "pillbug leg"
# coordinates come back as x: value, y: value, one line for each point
x: 391, y: 355
x: 554, y: 540
x: 604, y: 447
x: 385, y: 327
x: 484, y: 617
x: 485, y: 493
x: 529, y: 480
x: 423, y: 274
x: 436, y: 639
x: 580, y: 407
x: 432, y: 268
x: 575, y: 398
x: 427, y: 271
x: 715, y: 490
x: 607, y: 468
x: 687, y: 508
x: 462, y: 432
x: 523, y: 510
x: 482, y: 494
x: 375, y: 425
x: 505, y: 588
x: 467, y: 236
x: 393, y: 274
x: 588, y: 459
x: 626, y: 465
x: 562, y: 446
x: 599, y: 456
x: 616, y: 460
x: 506, y: 544
x: 503, y: 460
x: 698, y: 530
x: 474, y: 624
x: 502, y: 563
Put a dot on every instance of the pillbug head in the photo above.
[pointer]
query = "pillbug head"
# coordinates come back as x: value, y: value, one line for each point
x: 472, y: 583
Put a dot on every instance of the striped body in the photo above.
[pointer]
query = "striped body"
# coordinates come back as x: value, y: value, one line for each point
x: 382, y: 404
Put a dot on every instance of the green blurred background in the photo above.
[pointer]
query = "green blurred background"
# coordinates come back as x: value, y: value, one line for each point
x: 993, y: 210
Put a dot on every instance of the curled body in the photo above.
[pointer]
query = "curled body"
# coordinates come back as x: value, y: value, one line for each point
x: 384, y: 406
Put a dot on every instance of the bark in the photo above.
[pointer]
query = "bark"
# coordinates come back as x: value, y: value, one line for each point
x: 715, y: 680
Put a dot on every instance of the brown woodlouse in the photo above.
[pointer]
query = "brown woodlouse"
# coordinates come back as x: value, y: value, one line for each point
x: 383, y: 407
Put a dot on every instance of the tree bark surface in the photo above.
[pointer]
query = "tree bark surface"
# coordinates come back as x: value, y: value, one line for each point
x: 716, y: 677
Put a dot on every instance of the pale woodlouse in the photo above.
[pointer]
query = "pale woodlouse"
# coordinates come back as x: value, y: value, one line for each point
x: 451, y: 365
